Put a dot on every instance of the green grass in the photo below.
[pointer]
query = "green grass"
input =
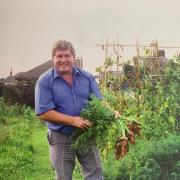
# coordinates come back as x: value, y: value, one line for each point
x: 24, y: 150
x: 42, y: 168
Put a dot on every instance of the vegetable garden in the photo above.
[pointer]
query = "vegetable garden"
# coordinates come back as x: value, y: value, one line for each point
x: 144, y: 136
x: 141, y: 141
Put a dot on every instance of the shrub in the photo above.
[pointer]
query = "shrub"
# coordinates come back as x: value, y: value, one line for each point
x: 148, y: 160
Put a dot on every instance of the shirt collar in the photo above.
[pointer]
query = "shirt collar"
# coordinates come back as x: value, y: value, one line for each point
x: 55, y: 73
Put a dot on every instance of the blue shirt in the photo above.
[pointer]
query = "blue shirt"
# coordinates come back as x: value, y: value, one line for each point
x: 53, y: 92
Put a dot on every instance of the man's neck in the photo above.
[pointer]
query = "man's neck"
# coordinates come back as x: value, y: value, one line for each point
x: 68, y: 78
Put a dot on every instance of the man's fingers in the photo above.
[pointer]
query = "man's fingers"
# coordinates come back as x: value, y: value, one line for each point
x: 88, y: 123
x: 83, y: 127
x: 85, y: 123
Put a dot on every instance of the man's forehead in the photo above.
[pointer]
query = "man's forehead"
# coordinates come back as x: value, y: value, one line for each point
x: 59, y: 51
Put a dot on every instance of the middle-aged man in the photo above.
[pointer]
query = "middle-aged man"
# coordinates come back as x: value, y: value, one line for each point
x: 60, y: 94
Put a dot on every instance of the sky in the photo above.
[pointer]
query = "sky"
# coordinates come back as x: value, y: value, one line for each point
x: 29, y: 28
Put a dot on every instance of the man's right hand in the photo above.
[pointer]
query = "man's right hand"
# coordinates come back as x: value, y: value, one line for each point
x: 81, y: 123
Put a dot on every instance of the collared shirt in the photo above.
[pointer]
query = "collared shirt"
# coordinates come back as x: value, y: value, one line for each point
x: 53, y: 92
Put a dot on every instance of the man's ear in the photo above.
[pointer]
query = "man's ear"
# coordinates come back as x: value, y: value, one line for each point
x: 53, y: 59
x: 74, y: 59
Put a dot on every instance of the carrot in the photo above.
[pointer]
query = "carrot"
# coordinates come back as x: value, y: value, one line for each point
x: 117, y: 150
x: 124, y: 146
x: 131, y: 137
x: 136, y: 127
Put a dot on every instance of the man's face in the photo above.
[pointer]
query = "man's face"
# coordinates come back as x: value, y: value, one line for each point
x: 63, y: 61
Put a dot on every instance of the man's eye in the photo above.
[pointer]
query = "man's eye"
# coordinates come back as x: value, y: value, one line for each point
x: 60, y: 56
x: 67, y: 55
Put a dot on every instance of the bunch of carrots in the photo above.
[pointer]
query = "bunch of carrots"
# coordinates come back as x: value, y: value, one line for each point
x: 128, y: 134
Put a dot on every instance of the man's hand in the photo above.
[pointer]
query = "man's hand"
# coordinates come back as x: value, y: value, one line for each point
x: 81, y: 123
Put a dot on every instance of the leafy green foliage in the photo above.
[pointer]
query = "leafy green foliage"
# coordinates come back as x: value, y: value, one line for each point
x: 160, y: 103
x: 102, y: 118
x: 154, y: 102
x: 148, y: 160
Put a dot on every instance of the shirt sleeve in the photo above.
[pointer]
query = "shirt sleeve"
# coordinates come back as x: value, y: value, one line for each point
x: 94, y: 88
x: 43, y: 98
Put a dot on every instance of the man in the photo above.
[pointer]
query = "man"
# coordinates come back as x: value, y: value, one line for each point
x: 60, y: 94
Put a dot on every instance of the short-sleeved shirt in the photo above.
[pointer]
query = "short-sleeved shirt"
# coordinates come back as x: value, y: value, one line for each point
x: 53, y: 92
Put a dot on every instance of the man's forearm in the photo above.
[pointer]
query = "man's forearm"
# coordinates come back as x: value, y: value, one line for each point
x: 57, y: 117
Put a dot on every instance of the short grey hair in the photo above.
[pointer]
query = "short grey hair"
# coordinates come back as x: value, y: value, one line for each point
x: 62, y: 45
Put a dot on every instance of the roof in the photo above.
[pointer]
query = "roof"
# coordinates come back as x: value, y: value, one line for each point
x: 18, y: 74
x: 34, y: 73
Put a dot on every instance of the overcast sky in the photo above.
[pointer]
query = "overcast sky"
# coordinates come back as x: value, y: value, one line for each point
x: 28, y: 28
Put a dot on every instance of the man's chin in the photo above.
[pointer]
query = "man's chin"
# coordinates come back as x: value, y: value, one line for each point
x: 65, y: 71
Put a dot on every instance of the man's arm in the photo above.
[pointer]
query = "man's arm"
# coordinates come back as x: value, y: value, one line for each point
x: 57, y: 117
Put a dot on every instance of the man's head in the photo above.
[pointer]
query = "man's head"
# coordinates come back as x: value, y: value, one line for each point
x: 63, y: 55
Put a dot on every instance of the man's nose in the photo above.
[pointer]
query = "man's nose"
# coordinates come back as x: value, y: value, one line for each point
x: 63, y: 59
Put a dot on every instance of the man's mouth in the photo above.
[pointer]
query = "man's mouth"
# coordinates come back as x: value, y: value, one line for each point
x: 63, y: 64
